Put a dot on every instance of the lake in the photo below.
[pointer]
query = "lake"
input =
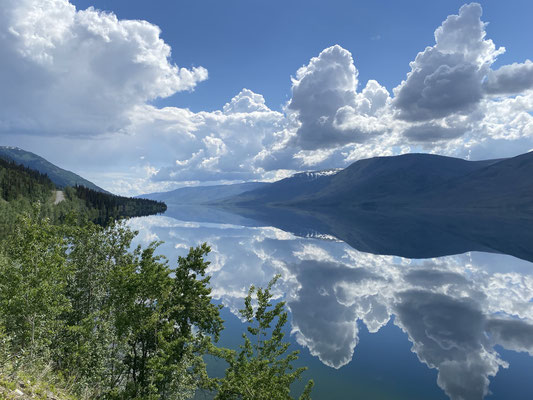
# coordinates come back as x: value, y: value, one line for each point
x: 382, y: 306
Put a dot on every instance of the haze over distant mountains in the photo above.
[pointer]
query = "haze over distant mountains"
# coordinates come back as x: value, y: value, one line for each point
x: 59, y: 176
x: 196, y: 195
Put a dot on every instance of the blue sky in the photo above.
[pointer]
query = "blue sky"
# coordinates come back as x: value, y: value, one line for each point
x: 142, y: 96
x: 259, y: 45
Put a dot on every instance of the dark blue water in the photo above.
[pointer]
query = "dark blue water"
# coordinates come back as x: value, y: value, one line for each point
x: 425, y: 308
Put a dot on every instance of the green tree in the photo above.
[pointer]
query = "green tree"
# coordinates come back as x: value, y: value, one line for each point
x: 262, y: 369
x: 171, y: 323
x: 32, y: 283
x: 119, y: 323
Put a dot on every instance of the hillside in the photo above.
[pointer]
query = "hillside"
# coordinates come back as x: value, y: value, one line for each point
x: 411, y: 181
x: 61, y: 177
x: 19, y: 181
x: 23, y: 190
x: 285, y: 190
x: 506, y: 184
x: 393, y: 180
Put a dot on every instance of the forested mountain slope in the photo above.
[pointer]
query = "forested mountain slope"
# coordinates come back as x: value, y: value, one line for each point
x: 61, y: 177
x: 23, y: 190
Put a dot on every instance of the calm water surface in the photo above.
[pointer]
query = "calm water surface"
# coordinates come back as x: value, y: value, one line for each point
x: 396, y: 314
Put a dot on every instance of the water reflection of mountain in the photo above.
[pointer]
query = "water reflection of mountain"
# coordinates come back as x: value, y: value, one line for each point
x: 208, y: 214
x: 405, y: 234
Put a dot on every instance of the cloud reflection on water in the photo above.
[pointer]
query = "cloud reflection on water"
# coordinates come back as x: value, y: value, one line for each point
x: 454, y: 309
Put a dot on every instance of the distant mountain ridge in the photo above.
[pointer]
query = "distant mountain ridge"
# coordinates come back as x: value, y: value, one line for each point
x: 196, y: 195
x: 215, y: 194
x: 393, y: 180
x: 59, y: 176
x: 507, y: 183
x: 285, y: 190
x: 418, y: 181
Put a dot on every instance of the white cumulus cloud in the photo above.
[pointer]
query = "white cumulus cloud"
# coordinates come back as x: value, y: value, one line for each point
x: 329, y: 109
x: 447, y: 77
x: 80, y: 72
x: 510, y: 79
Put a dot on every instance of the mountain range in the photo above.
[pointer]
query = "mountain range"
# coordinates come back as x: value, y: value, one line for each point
x: 59, y: 176
x: 413, y: 205
x: 196, y: 195
x: 410, y: 181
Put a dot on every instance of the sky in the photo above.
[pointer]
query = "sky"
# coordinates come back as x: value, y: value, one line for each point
x: 142, y: 96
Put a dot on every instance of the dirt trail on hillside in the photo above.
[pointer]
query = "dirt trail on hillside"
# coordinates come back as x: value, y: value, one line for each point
x: 60, y: 196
